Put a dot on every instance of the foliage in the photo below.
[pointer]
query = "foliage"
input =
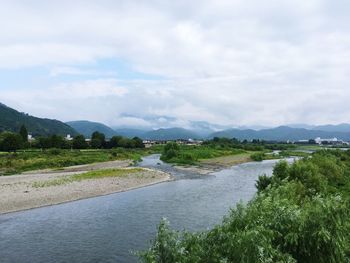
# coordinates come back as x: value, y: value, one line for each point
x: 119, y: 141
x: 56, y: 158
x: 79, y: 142
x: 170, y: 151
x: 10, y: 141
x: 52, y: 141
x: 300, y: 214
x: 24, y: 133
x: 12, y: 120
x: 191, y: 154
x: 254, y: 145
x: 258, y: 157
x: 98, y: 140
x: 263, y: 182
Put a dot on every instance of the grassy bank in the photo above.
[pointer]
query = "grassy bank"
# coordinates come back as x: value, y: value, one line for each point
x: 86, y: 176
x: 21, y: 161
x: 300, y: 214
x: 186, y: 154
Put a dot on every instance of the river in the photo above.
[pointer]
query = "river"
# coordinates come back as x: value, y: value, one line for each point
x: 108, y: 228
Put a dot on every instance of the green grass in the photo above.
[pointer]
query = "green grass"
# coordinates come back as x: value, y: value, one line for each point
x: 308, y: 147
x: 86, y: 176
x: 11, y: 163
x: 294, y: 153
x: 193, y: 154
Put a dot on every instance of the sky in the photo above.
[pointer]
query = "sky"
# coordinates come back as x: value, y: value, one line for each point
x: 159, y: 63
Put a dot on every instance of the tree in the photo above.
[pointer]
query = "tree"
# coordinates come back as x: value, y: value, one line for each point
x: 56, y: 141
x: 10, y: 141
x: 124, y: 142
x: 114, y: 141
x: 98, y: 140
x: 24, y: 133
x: 171, y: 150
x: 79, y: 142
x: 43, y: 143
x: 138, y: 143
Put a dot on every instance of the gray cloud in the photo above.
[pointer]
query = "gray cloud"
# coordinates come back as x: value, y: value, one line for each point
x: 228, y: 62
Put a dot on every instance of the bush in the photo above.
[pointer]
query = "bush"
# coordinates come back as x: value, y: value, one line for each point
x: 263, y: 182
x: 10, y: 141
x: 54, y: 151
x: 171, y: 150
x: 300, y: 214
x: 257, y: 157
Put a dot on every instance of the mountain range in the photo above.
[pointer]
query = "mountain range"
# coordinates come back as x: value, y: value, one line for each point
x: 282, y: 133
x: 86, y: 128
x: 11, y: 120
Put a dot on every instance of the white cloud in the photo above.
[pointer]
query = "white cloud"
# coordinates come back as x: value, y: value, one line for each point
x: 229, y: 62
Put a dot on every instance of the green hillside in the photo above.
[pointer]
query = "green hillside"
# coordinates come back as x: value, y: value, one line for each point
x: 88, y: 127
x: 11, y: 120
x: 282, y: 133
x: 170, y: 134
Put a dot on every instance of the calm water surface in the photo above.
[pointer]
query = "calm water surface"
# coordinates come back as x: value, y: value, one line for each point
x: 108, y: 228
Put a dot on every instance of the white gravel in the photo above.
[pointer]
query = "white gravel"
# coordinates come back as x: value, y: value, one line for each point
x: 18, y: 193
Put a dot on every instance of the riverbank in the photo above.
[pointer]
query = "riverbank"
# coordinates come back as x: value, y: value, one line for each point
x: 49, y: 187
x: 207, y: 166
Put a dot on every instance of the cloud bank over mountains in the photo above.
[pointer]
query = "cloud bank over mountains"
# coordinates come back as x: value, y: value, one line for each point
x: 170, y: 63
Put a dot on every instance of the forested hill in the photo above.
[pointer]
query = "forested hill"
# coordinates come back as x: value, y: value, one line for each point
x: 88, y: 127
x: 170, y: 134
x: 11, y: 120
x: 282, y: 133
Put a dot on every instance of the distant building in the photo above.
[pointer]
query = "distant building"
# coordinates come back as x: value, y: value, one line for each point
x: 331, y: 141
x: 69, y: 137
x: 149, y: 143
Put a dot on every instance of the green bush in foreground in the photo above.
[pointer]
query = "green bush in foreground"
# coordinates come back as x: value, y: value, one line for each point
x: 300, y: 214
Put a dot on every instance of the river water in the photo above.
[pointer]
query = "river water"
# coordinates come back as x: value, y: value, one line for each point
x: 109, y: 228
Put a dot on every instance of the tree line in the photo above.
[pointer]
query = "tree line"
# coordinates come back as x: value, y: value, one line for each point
x: 12, y: 141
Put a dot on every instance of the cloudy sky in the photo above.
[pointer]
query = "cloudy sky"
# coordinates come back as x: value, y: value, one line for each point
x: 166, y: 63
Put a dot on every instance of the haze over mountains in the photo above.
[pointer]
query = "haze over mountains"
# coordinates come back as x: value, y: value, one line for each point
x: 282, y: 133
x: 11, y: 120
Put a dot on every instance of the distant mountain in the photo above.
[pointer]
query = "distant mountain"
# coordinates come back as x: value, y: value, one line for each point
x: 301, y: 125
x: 88, y: 127
x: 282, y: 133
x: 343, y: 127
x: 170, y: 134
x: 12, y: 120
x: 130, y: 132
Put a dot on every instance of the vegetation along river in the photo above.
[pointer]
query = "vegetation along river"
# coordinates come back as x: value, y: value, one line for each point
x: 108, y: 228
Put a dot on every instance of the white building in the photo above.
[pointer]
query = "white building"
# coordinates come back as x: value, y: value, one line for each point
x: 333, y: 141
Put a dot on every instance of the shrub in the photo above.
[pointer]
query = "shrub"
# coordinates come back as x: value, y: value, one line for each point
x: 263, y: 182
x: 300, y: 214
x: 258, y: 157
x: 54, y: 151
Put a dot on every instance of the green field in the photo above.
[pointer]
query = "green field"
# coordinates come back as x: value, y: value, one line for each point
x: 187, y: 154
x: 21, y: 161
